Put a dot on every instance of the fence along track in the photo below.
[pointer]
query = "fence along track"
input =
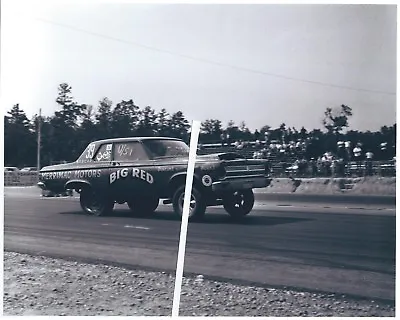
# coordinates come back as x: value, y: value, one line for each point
x: 20, y: 179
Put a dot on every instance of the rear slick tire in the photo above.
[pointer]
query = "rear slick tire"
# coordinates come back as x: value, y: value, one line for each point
x: 144, y: 206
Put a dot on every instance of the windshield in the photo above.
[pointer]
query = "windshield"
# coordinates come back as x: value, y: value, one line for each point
x: 167, y: 148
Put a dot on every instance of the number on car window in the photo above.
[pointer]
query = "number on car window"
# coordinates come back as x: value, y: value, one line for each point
x: 90, y: 151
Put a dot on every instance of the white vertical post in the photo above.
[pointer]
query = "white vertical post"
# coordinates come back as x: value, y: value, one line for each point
x: 38, y: 139
x: 194, y: 136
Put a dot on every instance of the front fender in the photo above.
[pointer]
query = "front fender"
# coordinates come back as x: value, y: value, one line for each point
x: 180, y: 177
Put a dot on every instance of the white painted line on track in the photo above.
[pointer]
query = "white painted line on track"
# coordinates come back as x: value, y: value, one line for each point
x: 126, y: 226
x: 136, y: 227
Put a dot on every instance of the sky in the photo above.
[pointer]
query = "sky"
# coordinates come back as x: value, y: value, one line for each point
x: 264, y: 64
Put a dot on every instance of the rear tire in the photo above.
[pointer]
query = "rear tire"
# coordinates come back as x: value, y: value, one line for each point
x: 143, y: 206
x: 197, y: 207
x: 239, y: 203
x: 94, y: 204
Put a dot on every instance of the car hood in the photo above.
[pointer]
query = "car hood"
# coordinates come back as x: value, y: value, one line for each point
x: 213, y: 157
x: 220, y: 156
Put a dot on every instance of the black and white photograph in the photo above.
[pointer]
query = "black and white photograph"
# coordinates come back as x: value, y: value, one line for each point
x: 199, y: 158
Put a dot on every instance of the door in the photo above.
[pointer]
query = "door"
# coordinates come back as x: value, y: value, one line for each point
x: 102, y: 165
x: 130, y: 175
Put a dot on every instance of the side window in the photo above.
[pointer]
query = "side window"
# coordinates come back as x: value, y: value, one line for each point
x: 104, y: 153
x: 90, y: 151
x: 129, y: 151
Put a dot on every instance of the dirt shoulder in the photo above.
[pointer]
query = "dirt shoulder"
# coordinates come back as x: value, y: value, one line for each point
x: 35, y: 285
x: 385, y: 186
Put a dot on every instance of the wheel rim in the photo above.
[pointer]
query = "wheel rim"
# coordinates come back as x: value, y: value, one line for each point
x: 92, y: 204
x: 192, y: 204
x: 238, y: 200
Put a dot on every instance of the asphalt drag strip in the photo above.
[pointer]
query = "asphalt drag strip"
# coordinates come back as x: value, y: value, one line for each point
x: 314, y: 251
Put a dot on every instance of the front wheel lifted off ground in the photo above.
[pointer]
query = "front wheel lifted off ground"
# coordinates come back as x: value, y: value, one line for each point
x: 94, y: 204
x: 239, y: 203
x: 197, y: 205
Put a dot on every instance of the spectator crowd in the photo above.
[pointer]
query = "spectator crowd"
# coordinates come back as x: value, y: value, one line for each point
x: 295, y: 156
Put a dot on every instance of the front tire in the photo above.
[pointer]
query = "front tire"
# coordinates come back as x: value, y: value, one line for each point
x: 197, y: 206
x: 239, y: 203
x: 95, y: 205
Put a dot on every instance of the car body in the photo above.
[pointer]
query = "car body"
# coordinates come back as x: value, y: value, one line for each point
x: 143, y: 170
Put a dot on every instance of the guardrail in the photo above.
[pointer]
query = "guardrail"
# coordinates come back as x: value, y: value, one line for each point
x: 20, y: 178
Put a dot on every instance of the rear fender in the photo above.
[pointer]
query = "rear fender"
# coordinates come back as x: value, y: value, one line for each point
x: 77, y: 185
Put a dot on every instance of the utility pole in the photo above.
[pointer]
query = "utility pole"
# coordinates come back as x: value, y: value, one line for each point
x: 38, y: 139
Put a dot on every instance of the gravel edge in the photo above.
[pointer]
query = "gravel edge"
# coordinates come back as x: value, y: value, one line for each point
x: 37, y: 285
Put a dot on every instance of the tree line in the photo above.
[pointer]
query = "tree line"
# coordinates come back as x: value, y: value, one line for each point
x: 66, y: 133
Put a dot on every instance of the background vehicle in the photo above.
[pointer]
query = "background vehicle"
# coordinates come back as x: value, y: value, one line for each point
x: 29, y: 169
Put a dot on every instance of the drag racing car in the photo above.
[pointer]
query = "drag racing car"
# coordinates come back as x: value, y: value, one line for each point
x: 141, y: 171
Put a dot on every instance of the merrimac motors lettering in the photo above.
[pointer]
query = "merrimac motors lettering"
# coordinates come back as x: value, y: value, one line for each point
x: 136, y: 173
x: 77, y: 174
